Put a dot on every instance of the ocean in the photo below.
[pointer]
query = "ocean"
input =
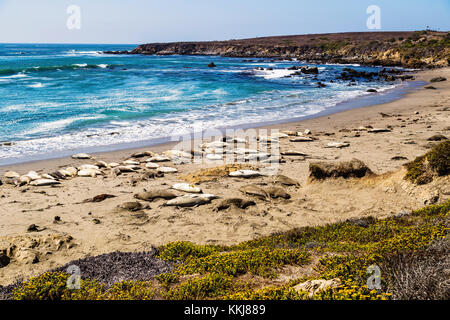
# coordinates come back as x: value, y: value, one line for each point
x: 59, y: 99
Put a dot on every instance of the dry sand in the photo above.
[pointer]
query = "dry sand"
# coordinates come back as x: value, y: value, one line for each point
x: 413, y: 119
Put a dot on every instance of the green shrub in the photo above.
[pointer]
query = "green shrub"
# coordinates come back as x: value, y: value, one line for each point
x: 434, y: 163
x: 181, y: 250
x: 131, y: 290
x: 259, y: 261
x: 166, y: 279
x: 53, y: 286
x: 210, y: 286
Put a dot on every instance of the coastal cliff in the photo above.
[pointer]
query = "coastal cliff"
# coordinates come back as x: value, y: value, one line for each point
x: 408, y: 49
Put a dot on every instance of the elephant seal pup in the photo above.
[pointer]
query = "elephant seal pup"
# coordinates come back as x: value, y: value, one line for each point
x: 44, y: 182
x: 190, y: 200
x: 156, y: 194
x: 237, y: 202
x: 275, y: 192
x: 133, y: 206
x: 286, y: 181
x: 186, y: 187
x: 253, y: 190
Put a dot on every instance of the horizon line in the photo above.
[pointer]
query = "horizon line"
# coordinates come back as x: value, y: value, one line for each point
x: 268, y: 36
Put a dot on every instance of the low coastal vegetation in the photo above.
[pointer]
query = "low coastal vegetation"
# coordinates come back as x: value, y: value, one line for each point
x: 410, y: 250
x: 432, y: 164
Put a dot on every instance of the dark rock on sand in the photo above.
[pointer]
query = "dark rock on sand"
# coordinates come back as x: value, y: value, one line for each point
x: 346, y: 169
x: 438, y: 79
x: 33, y: 228
x: 437, y: 137
x: 398, y: 158
x: 430, y: 87
x: 361, y: 222
x: 236, y: 202
x: 121, y: 266
x: 4, y: 259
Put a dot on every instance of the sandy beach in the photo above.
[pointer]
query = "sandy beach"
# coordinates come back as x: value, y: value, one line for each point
x: 68, y: 227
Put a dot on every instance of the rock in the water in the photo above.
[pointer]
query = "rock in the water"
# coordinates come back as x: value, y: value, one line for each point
x: 236, y: 202
x: 212, y: 65
x: 253, y: 190
x: 186, y: 187
x: 337, y: 145
x: 371, y: 90
x: 286, y: 181
x: 347, y: 169
x: 314, y: 286
x: 82, y: 156
x: 44, y: 182
x: 245, y: 174
x: 156, y: 194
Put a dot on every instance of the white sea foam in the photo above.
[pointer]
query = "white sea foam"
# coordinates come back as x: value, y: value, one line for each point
x: 273, y: 74
x: 36, y: 85
x: 103, y: 66
x: 81, y: 65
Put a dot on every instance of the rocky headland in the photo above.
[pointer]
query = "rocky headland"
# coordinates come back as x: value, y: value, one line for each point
x: 413, y: 49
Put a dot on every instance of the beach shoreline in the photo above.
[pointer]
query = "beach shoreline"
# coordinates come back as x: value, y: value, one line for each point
x: 111, y: 152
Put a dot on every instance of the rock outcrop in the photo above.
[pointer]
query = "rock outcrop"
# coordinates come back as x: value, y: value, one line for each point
x: 409, y: 49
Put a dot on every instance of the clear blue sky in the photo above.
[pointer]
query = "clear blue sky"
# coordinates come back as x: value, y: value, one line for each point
x: 140, y: 21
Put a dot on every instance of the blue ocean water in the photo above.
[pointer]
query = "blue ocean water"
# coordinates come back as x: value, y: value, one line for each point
x: 56, y: 98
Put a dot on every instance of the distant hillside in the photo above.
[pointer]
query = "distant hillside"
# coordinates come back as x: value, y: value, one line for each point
x: 414, y: 49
